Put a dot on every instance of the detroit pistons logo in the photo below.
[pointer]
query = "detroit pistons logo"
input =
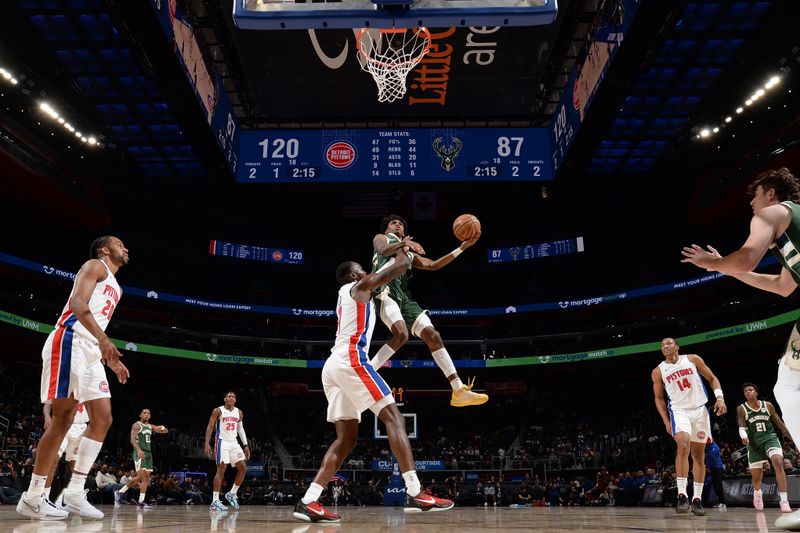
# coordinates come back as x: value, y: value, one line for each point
x: 103, y: 386
x: 701, y: 434
x: 340, y: 155
x: 240, y: 455
x: 277, y: 255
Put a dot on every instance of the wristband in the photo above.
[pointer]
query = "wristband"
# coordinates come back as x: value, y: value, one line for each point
x: 455, y: 253
x: 743, y: 432
x: 718, y: 394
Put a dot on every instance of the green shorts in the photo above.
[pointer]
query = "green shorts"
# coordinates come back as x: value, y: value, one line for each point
x: 759, y: 447
x: 145, y: 462
x: 414, y: 316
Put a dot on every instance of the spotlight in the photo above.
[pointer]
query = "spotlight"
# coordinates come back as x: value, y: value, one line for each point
x: 748, y: 102
x: 715, y: 130
x: 739, y: 109
x: 728, y: 119
x: 705, y: 132
x: 760, y: 93
x: 92, y: 140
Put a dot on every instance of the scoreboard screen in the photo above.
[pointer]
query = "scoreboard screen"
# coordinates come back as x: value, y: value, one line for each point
x: 535, y: 251
x: 468, y: 154
x: 256, y: 253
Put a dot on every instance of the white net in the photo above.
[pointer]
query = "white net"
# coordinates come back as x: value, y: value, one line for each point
x: 389, y: 55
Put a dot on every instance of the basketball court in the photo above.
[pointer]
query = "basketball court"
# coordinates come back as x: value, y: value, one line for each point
x: 369, y: 519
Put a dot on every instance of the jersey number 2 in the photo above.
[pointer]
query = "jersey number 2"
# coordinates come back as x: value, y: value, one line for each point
x: 684, y: 384
x: 108, y: 310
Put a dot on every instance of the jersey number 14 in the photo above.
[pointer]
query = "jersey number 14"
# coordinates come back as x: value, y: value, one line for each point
x: 684, y: 384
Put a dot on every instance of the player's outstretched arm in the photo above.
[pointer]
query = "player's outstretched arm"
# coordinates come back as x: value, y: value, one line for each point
x: 741, y: 419
x: 658, y: 394
x: 215, y: 414
x: 776, y: 419
x: 361, y: 290
x: 160, y: 429
x: 380, y: 243
x: 424, y: 263
x: 719, y: 407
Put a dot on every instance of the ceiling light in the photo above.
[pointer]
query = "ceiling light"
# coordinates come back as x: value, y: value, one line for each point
x: 715, y: 130
x: 739, y: 109
x: 760, y: 93
x: 748, y: 102
x: 728, y: 119
x: 92, y: 140
x: 705, y: 132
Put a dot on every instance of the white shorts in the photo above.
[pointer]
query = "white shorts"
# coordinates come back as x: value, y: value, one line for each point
x: 71, y: 366
x: 71, y: 441
x: 390, y: 313
x: 787, y: 394
x: 352, y: 390
x: 229, y: 452
x: 695, y: 422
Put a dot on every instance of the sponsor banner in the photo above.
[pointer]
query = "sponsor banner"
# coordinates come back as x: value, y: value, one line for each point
x: 388, y: 465
x: 741, y: 329
x: 749, y: 327
x: 740, y: 490
x: 324, y: 313
x: 33, y: 325
x: 255, y: 470
x: 207, y: 85
x: 614, y: 18
x: 413, y: 363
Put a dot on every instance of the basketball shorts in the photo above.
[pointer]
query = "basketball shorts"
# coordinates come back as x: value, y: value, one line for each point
x: 408, y: 311
x: 787, y: 386
x: 71, y: 440
x: 144, y: 463
x: 352, y: 390
x: 761, y: 448
x: 695, y: 422
x: 71, y: 366
x: 229, y: 452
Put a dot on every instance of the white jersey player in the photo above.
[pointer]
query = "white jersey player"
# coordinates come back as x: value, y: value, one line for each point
x: 226, y: 424
x: 685, y: 415
x: 72, y: 373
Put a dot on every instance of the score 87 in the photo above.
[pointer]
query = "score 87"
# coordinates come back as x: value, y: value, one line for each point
x: 507, y: 145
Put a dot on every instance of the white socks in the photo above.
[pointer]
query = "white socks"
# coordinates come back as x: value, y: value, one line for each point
x: 141, y: 497
x: 215, y: 496
x: 37, y: 486
x: 784, y: 496
x: 124, y: 489
x: 413, y: 486
x: 384, y: 354
x: 234, y: 489
x: 698, y: 491
x: 682, y: 481
x: 312, y: 494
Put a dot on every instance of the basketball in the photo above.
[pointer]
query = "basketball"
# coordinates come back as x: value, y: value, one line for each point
x: 466, y: 226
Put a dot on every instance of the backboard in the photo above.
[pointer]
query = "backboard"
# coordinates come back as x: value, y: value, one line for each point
x: 305, y: 14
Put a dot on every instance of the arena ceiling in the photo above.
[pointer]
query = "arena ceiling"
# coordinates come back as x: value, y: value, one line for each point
x: 636, y: 175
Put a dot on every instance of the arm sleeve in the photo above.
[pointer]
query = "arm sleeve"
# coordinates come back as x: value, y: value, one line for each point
x: 242, y: 435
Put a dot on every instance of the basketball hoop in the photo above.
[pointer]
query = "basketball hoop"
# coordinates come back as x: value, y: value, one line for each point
x: 389, y: 54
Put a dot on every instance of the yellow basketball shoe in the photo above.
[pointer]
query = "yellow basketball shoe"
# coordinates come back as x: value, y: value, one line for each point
x: 464, y: 396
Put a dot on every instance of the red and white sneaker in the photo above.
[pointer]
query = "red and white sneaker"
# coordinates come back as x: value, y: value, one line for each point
x: 314, y: 512
x: 758, y: 502
x: 785, y: 507
x: 426, y: 502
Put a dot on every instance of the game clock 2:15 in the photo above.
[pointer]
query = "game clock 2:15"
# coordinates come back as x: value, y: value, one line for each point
x: 303, y: 172
x: 485, y: 171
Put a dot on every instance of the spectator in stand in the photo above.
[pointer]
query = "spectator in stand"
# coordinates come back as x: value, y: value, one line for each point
x: 106, y: 481
x: 491, y: 492
x: 8, y: 477
x: 715, y: 469
x: 453, y: 490
x: 524, y: 495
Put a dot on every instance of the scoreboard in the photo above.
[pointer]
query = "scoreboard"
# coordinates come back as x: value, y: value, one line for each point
x: 418, y: 154
x: 256, y: 253
x: 535, y: 251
